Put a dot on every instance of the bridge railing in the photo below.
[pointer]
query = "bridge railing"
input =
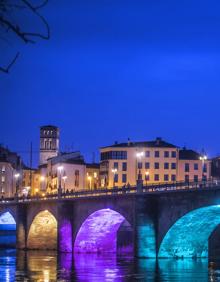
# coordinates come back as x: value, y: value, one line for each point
x: 146, y: 189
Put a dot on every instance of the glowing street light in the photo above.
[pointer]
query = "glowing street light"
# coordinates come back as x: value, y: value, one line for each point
x: 147, y: 173
x: 139, y: 156
x: 17, y: 176
x: 64, y: 182
x: 114, y: 171
x: 90, y: 181
x: 60, y: 169
x: 203, y: 159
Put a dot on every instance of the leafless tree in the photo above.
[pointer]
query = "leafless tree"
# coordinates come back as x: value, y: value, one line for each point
x: 12, y: 13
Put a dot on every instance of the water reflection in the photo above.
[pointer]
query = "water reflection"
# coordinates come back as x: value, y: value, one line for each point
x: 49, y: 267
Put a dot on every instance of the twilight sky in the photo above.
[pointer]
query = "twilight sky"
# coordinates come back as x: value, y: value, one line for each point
x: 115, y: 69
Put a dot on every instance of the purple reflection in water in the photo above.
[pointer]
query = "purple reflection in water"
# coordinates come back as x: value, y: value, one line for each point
x: 96, y: 268
x: 65, y: 234
x: 98, y: 233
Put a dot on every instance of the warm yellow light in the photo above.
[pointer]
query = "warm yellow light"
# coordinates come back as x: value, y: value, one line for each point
x: 36, y: 190
x: 42, y: 178
x: 64, y: 177
x: 89, y: 177
x: 147, y: 173
x: 95, y: 174
x: 43, y: 194
x: 114, y: 170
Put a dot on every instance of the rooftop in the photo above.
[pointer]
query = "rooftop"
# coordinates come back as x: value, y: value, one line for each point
x: 157, y: 143
x: 185, y: 154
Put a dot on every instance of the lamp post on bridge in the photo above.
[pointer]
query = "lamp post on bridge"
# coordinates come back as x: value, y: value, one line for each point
x: 203, y: 159
x: 16, y: 176
x: 59, y: 175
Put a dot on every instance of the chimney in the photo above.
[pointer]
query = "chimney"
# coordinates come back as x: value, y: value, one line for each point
x: 158, y: 140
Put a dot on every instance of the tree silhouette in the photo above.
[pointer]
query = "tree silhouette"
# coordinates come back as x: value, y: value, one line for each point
x: 13, y: 14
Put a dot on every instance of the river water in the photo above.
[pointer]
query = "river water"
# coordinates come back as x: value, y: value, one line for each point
x: 48, y: 266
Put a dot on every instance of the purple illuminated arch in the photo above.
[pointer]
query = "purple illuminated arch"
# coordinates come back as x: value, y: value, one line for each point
x: 98, y: 233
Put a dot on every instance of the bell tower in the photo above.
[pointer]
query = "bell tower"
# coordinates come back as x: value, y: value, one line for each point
x: 49, y: 142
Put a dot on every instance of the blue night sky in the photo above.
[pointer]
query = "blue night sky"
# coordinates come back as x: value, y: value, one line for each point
x: 115, y: 69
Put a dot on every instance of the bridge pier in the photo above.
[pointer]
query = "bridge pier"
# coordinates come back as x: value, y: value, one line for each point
x: 65, y: 228
x: 145, y: 227
x: 21, y: 230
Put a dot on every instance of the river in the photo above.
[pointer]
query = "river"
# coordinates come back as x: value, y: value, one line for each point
x: 49, y: 266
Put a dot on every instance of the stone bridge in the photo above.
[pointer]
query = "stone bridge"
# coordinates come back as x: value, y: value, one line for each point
x: 154, y: 223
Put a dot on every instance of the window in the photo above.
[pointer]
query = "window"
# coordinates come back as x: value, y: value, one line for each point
x: 140, y: 165
x: 76, y: 178
x: 187, y: 167
x: 173, y: 154
x: 166, y: 166
x: 166, y: 177
x: 186, y: 178
x: 147, y: 154
x: 147, y: 177
x: 3, y: 168
x: 114, y: 155
x: 124, y: 166
x: 147, y: 165
x: 156, y: 165
x: 166, y: 154
x: 156, y: 177
x: 196, y: 178
x: 124, y: 178
x: 205, y: 168
x: 157, y: 154
x: 196, y: 166
x: 173, y: 166
x: 115, y: 165
x: 173, y: 177
x: 116, y: 178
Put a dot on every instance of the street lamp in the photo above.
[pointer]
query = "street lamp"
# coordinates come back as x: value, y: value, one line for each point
x: 90, y: 181
x: 64, y: 182
x: 60, y: 169
x: 203, y: 159
x: 139, y: 156
x: 17, y: 176
x: 147, y: 176
x: 114, y: 171
x: 42, y: 180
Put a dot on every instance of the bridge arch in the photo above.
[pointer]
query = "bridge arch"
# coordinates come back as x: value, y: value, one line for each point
x: 189, y: 235
x: 104, y: 231
x: 7, y: 230
x: 43, y: 232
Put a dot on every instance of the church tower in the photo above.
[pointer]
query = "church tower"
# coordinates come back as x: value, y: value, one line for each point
x: 49, y: 142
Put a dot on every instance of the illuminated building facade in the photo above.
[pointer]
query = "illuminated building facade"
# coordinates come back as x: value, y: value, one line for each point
x: 153, y: 162
x: 49, y: 143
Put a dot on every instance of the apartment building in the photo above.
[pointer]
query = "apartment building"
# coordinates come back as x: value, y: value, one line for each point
x: 154, y: 162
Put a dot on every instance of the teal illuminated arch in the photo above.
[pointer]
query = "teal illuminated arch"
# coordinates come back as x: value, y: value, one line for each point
x: 188, y: 237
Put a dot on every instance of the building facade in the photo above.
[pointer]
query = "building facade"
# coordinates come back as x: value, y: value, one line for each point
x: 152, y: 162
x: 49, y: 143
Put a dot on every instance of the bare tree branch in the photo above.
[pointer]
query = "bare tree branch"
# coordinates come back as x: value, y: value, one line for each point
x: 6, y: 70
x: 10, y: 25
